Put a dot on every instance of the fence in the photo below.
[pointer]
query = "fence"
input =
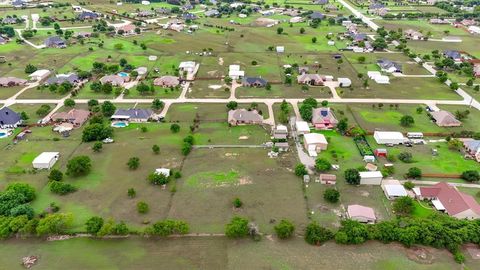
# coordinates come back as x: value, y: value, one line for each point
x: 441, y: 175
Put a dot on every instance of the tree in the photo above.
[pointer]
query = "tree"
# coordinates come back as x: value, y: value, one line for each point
x: 361, y: 59
x: 57, y: 223
x: 300, y: 170
x: 43, y: 110
x: 97, y: 147
x: 237, y: 203
x: 471, y: 176
x: 409, y: 185
x: 133, y: 163
x: 157, y: 104
x: 352, y: 176
x: 403, y: 206
x: 405, y: 157
x: 107, y: 88
x: 314, y: 40
x: 24, y: 116
x: 322, y: 165
x: 414, y: 173
x: 61, y: 188
x: 174, y: 128
x: 168, y: 227
x: 94, y: 224
x: 143, y: 89
x: 108, y: 109
x: 279, y: 30
x: 454, y: 86
x: 331, y: 195
x: 131, y: 193
x: 79, y: 165
x: 156, y: 149
x: 237, y: 228
x: 25, y: 190
x: 302, y: 30
x: 92, y: 103
x: 232, y: 105
x: 342, y: 125
x: 55, y: 175
x: 96, y: 132
x: 142, y: 207
x: 158, y: 179
x: 284, y: 229
x: 306, y: 112
x: 316, y: 234
x: 30, y: 69
x: 407, y: 121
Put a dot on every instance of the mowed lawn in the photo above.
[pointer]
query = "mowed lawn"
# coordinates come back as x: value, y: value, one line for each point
x: 213, y: 178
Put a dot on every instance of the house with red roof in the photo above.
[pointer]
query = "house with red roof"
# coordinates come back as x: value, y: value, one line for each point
x: 447, y: 198
x: 323, y: 118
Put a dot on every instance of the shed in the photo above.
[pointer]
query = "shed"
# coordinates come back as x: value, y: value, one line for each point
x: 302, y: 127
x: 163, y: 171
x: 380, y: 152
x: 328, y: 179
x: 39, y: 75
x: 315, y: 142
x: 393, y: 189
x: 361, y: 213
x: 389, y: 137
x: 371, y: 178
x: 46, y: 160
x: 344, y: 82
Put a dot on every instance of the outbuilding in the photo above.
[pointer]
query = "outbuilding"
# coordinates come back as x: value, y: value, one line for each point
x: 371, y: 178
x: 393, y: 189
x: 361, y: 213
x: 314, y: 143
x: 302, y: 127
x: 380, y: 152
x: 328, y: 179
x: 389, y: 137
x: 45, y: 160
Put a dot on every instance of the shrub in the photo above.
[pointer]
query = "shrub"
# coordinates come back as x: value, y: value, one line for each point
x: 322, y: 165
x: 133, y: 163
x: 352, y: 176
x: 471, y: 176
x: 142, y: 207
x: 237, y: 228
x: 57, y: 223
x: 237, y: 203
x: 94, y: 224
x: 414, y: 173
x: 79, y: 165
x: 331, y: 195
x: 156, y: 149
x: 158, y: 179
x: 403, y: 206
x: 405, y: 157
x: 131, y: 193
x: 61, y: 188
x: 316, y: 234
x: 300, y: 170
x: 407, y: 121
x: 168, y: 227
x: 284, y: 229
x: 97, y: 147
x: 408, y: 185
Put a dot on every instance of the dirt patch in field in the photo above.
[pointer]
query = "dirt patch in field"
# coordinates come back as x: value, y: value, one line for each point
x: 245, y: 181
x: 231, y: 154
x: 214, y: 86
x: 474, y: 251
x: 243, y: 138
x: 364, y: 193
x: 419, y: 255
x: 220, y: 61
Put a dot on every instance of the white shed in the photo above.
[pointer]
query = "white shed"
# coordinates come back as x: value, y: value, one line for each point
x: 393, y: 189
x: 302, y: 127
x: 389, y: 137
x: 344, y: 82
x: 39, y: 74
x: 163, y: 171
x: 371, y: 178
x: 46, y: 160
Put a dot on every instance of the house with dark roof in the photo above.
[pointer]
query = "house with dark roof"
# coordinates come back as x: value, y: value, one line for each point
x: 9, y: 20
x: 9, y: 118
x: 174, y: 2
x: 87, y: 15
x: 316, y: 16
x: 189, y: 16
x: 244, y: 117
x: 211, y: 13
x: 472, y: 147
x: 357, y: 37
x: 449, y: 199
x: 133, y: 115
x: 55, y: 42
x: 254, y: 82
x: 72, y: 78
x: 453, y: 54
x: 19, y: 3
x: 376, y: 5
x: 389, y: 66
x: 324, y: 118
x: 320, y: 2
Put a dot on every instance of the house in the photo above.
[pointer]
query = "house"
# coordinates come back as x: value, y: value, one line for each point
x: 311, y: 79
x: 303, y: 69
x: 167, y: 81
x: 475, y: 30
x: 235, y: 73
x: 393, y: 189
x: 296, y: 19
x: 331, y: 7
x: 72, y: 78
x: 371, y: 178
x: 280, y: 133
x: 472, y: 147
x: 114, y: 80
x: 188, y: 66
x: 449, y: 199
x: 328, y: 179
x: 452, y: 54
x: 75, y: 116
x: 389, y: 66
x: 87, y: 15
x: 164, y: 171
x: 302, y: 127
x: 376, y: 5
x: 84, y: 34
x: 39, y: 75
x: 282, y: 146
x: 244, y: 117
x: 163, y: 11
x: 211, y: 13
x: 320, y: 2
x: 379, y: 11
x: 126, y: 29
x: 413, y: 35
x: 132, y: 115
x: 254, y: 82
x: 476, y: 70
x: 358, y: 37
x: 439, y: 21
x: 3, y: 40
x: 445, y: 119
x: 380, y: 152
x: 45, y: 160
x: 55, y: 42
x: 389, y: 137
x: 344, y: 82
x: 9, y: 20
x: 11, y: 81
x: 145, y: 13
x: 371, y: 167
x: 316, y: 16
x: 378, y: 77
x: 361, y: 213
x: 314, y: 143
x: 323, y: 118
x: 189, y: 17
x: 9, y: 118
x: 468, y: 22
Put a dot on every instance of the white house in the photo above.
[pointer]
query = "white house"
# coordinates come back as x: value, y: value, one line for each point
x: 314, y: 143
x: 39, y: 75
x: 302, y: 127
x: 188, y: 66
x: 389, y: 137
x: 46, y: 160
x: 474, y: 30
x: 393, y: 189
x: 371, y: 178
x: 235, y: 73
x: 163, y: 171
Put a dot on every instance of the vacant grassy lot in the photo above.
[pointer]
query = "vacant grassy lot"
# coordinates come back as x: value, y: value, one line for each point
x: 206, y: 191
x: 214, y: 112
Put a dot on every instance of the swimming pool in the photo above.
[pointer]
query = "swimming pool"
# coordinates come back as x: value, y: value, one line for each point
x: 3, y: 135
x: 119, y: 124
x: 123, y: 74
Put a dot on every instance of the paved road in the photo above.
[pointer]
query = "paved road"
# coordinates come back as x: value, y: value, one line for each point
x: 357, y: 13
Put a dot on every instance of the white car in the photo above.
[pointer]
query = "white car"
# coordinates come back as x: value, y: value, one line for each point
x: 108, y: 140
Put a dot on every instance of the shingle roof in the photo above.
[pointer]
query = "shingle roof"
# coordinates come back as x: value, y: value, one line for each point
x: 473, y: 145
x: 254, y: 80
x: 445, y: 118
x: 60, y: 78
x: 453, y: 200
x: 387, y: 64
x: 134, y: 113
x: 244, y: 115
x: 8, y: 116
x: 452, y: 54
x: 54, y: 41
